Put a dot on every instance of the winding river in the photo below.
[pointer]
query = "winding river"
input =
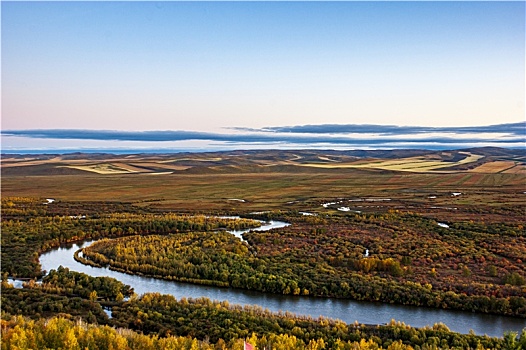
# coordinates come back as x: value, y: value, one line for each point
x: 348, y: 311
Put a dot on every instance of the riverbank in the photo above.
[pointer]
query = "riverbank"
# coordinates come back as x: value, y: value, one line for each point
x: 348, y: 311
x: 328, y: 249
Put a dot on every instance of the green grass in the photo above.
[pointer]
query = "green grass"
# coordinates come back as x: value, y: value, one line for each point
x: 259, y: 190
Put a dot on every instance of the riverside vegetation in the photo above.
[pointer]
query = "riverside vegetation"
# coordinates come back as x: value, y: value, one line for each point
x: 154, y: 321
x: 411, y: 262
x: 29, y: 229
x: 317, y: 256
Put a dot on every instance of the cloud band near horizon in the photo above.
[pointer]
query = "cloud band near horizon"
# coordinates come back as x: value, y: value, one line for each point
x: 348, y: 134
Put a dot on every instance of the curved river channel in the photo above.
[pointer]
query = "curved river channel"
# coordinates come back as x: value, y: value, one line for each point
x: 348, y: 311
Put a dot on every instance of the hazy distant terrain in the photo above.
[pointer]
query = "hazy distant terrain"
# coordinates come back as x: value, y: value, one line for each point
x: 476, y: 160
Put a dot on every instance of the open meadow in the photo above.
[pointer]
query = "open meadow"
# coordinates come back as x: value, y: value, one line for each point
x: 273, y: 180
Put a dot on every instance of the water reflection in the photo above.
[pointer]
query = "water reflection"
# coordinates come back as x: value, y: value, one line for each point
x: 348, y: 311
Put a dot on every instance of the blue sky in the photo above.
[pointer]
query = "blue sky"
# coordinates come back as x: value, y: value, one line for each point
x: 215, y: 66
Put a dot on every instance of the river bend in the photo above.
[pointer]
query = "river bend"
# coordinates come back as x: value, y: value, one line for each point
x: 348, y: 311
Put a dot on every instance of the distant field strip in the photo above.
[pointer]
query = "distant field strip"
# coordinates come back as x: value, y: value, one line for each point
x: 517, y: 169
x: 103, y: 169
x: 470, y: 158
x: 216, y: 159
x: 500, y: 167
x: 414, y: 164
x: 326, y: 159
x: 118, y: 168
x: 130, y: 168
x: 158, y: 165
x: 7, y: 162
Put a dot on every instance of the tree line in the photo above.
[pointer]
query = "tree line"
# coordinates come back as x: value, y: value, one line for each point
x: 28, y: 230
x: 324, y: 268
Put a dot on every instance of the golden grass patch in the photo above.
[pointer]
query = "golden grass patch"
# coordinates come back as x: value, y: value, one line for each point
x: 494, y: 167
x: 326, y: 159
x: 517, y: 169
x: 160, y: 165
x: 214, y: 159
x: 407, y: 165
x: 103, y: 169
x: 470, y: 158
x: 131, y: 168
x: 413, y: 164
x: 11, y: 162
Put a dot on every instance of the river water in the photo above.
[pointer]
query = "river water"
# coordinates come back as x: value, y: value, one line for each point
x: 348, y: 311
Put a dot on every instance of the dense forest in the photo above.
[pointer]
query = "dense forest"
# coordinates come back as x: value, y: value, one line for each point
x: 397, y: 257
x: 65, y: 291
x: 156, y: 321
x: 29, y: 229
x: 202, y: 318
x: 61, y: 333
x: 410, y: 260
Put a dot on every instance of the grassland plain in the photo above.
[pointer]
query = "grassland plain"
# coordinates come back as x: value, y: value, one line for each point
x: 271, y: 190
